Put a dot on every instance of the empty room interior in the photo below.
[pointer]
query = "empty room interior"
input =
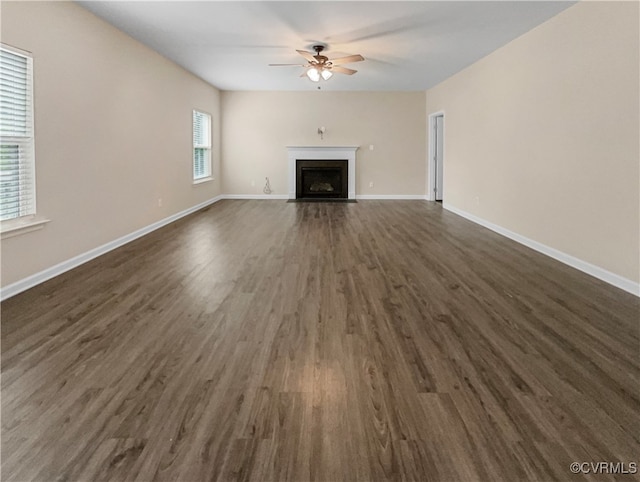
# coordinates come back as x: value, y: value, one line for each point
x: 320, y: 241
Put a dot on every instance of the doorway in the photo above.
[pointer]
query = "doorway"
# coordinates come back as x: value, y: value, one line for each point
x: 436, y: 157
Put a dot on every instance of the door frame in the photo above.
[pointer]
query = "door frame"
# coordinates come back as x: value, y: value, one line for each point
x: 431, y: 165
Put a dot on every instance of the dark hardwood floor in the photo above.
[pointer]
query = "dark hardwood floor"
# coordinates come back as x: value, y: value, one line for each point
x: 274, y: 341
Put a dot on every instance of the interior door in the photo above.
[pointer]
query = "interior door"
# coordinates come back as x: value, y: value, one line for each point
x: 438, y: 157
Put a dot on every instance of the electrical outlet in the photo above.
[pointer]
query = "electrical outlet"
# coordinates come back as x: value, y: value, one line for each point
x: 371, y: 184
x: 253, y: 183
x: 371, y: 147
x: 159, y: 202
x: 477, y: 200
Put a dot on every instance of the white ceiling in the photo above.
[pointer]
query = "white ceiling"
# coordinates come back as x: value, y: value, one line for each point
x: 410, y: 45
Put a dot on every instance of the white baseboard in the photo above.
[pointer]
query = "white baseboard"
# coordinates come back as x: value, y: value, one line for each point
x: 360, y: 196
x: 44, y: 275
x: 595, y: 271
x: 391, y: 196
x: 255, y: 196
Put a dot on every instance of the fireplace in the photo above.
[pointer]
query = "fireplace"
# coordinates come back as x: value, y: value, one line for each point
x: 344, y: 155
x: 322, y: 179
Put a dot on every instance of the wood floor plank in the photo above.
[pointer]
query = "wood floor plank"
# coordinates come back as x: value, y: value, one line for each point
x: 272, y: 341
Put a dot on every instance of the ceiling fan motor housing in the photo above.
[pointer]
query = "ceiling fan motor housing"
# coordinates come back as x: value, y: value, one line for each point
x: 321, y: 58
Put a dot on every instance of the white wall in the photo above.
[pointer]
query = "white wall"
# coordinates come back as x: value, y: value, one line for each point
x: 542, y: 136
x: 113, y: 134
x: 257, y: 127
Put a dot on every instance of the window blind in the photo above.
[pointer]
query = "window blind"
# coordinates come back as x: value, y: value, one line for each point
x: 17, y: 172
x: 201, y: 145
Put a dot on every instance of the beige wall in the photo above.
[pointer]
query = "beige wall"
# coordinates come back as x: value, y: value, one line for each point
x: 257, y: 127
x: 541, y: 136
x: 113, y: 134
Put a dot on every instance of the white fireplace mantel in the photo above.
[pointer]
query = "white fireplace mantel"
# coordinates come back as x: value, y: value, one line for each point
x: 322, y: 153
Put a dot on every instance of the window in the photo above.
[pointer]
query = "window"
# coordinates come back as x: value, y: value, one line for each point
x: 201, y: 146
x: 17, y: 161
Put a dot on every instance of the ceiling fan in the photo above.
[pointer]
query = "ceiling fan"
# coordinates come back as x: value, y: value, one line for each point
x: 320, y: 66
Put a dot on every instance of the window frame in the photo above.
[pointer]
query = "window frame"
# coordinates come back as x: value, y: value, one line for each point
x: 206, y: 147
x: 27, y: 213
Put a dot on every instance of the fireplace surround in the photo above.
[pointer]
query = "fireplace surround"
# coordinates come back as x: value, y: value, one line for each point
x: 345, y: 154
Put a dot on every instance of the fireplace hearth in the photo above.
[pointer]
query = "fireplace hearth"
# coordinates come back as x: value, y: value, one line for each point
x: 322, y: 179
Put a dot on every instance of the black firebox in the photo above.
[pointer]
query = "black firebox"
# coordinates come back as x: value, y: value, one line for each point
x: 322, y: 179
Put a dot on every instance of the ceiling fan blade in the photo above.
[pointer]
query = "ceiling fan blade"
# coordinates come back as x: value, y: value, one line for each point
x: 286, y: 65
x: 307, y: 55
x: 343, y: 70
x: 347, y: 60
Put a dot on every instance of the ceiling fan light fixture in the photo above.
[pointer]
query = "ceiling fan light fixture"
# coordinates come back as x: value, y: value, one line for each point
x: 320, y: 67
x: 313, y: 74
x: 326, y: 74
